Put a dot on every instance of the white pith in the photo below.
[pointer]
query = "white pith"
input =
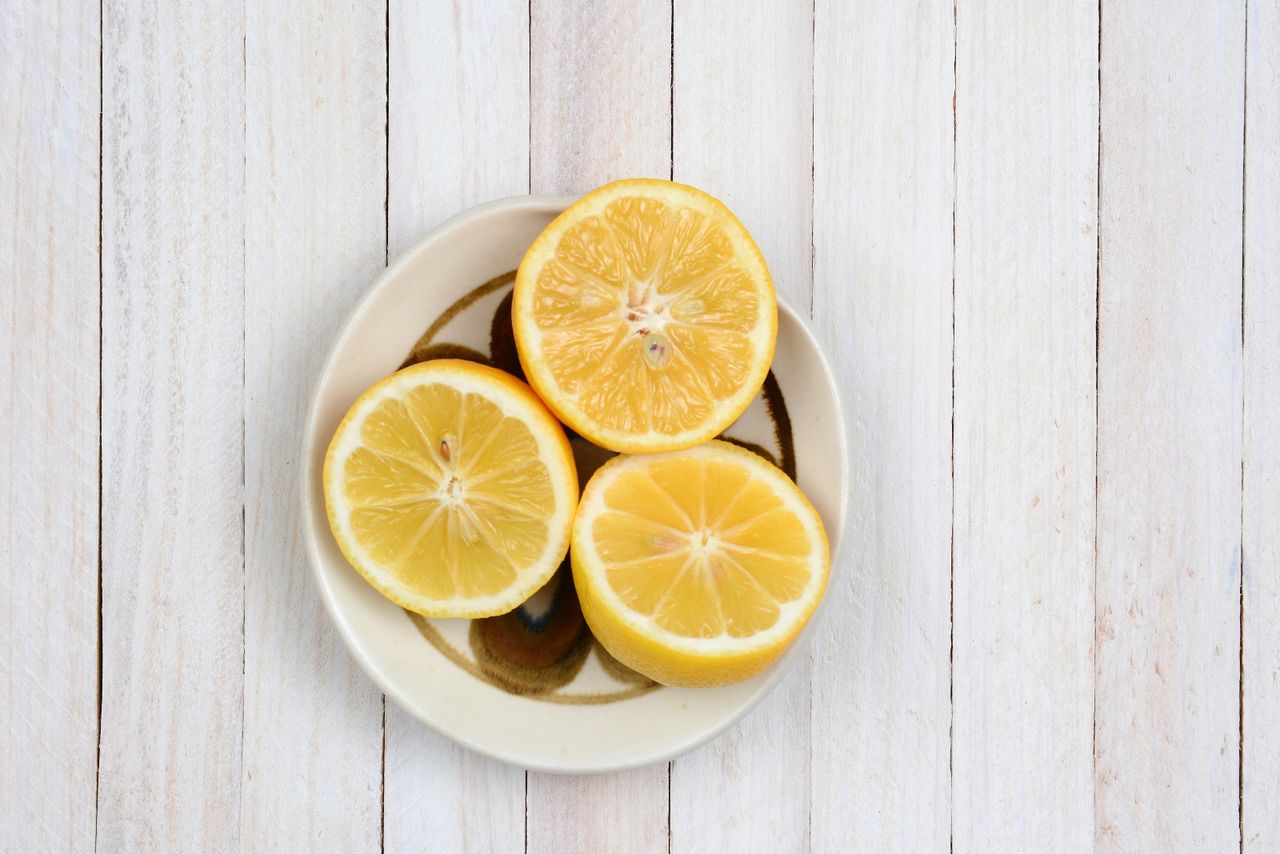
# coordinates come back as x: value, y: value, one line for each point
x: 512, y: 404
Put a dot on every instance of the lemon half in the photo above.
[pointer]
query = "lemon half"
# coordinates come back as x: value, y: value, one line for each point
x: 697, y: 567
x: 645, y: 316
x: 451, y: 489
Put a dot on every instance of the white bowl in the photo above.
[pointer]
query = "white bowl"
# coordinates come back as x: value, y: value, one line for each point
x: 580, y: 711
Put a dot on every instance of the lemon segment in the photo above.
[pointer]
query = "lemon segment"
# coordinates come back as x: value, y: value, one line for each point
x: 697, y: 567
x: 645, y: 316
x: 451, y: 489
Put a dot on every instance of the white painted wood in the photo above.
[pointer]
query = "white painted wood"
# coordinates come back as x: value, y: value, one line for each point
x: 245, y: 172
x: 315, y: 239
x: 599, y: 109
x: 749, y: 789
x: 459, y: 107
x: 609, y: 812
x: 459, y: 104
x: 1169, y: 428
x: 441, y: 796
x: 1025, y: 291
x: 600, y: 93
x: 742, y: 130
x: 172, y: 404
x: 882, y: 229
x: 1260, y: 762
x: 48, y: 425
x: 743, y: 123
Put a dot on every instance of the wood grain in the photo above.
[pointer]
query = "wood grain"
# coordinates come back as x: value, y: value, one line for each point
x: 882, y: 232
x: 610, y: 812
x: 48, y: 425
x: 743, y: 131
x: 600, y: 93
x: 1260, y: 761
x: 459, y: 109
x: 1169, y: 428
x: 743, y: 124
x: 172, y: 433
x: 315, y: 239
x: 599, y: 109
x: 1025, y: 289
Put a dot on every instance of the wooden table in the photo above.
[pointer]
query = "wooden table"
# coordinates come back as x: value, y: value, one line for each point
x: 1041, y: 242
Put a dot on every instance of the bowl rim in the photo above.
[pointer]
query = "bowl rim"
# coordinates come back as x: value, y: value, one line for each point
x: 307, y: 448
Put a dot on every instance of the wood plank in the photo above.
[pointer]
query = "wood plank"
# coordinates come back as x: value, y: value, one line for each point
x: 1169, y: 428
x: 1260, y: 761
x: 441, y: 796
x: 882, y: 231
x: 172, y: 430
x: 599, y: 109
x: 1025, y: 311
x: 49, y: 79
x: 600, y: 87
x: 743, y: 131
x: 459, y: 125
x: 459, y: 106
x: 743, y: 124
x: 608, y: 812
x: 315, y: 240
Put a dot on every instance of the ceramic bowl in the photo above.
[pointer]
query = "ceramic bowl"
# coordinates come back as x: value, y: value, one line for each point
x: 533, y: 687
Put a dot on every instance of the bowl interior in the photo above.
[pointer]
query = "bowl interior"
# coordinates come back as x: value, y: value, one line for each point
x: 563, y: 706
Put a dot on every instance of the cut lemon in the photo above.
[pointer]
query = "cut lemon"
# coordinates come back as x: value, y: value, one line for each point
x: 697, y: 567
x: 645, y: 316
x: 451, y: 489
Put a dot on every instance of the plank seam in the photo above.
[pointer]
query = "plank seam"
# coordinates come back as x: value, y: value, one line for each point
x: 671, y: 122
x: 528, y: 42
x: 669, y: 766
x: 671, y: 175
x: 386, y: 138
x: 813, y: 289
x: 528, y: 39
x: 244, y: 402
x: 1244, y: 213
x: 386, y: 261
x: 97, y: 761
x: 1097, y: 373
x: 951, y: 546
x: 813, y: 179
x: 382, y: 789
